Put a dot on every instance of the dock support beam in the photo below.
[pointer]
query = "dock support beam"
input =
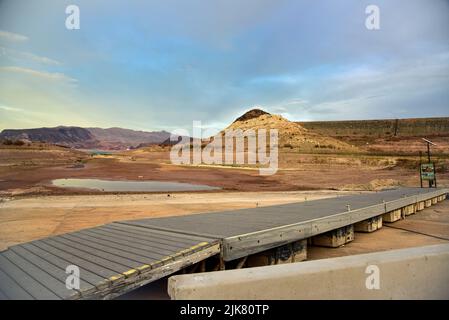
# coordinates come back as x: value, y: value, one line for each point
x: 335, y: 238
x: 392, y: 216
x: 408, y: 210
x: 369, y: 225
x: 291, y: 252
x: 420, y: 206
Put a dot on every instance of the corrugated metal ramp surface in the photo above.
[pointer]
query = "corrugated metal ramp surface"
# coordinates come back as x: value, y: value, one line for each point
x: 111, y: 258
x: 238, y: 222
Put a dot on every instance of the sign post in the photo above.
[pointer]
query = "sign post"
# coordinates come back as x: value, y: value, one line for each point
x: 427, y: 170
x: 420, y: 163
x: 428, y: 173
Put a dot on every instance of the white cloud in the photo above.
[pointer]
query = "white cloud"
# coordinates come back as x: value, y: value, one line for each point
x: 285, y: 105
x: 27, y: 56
x: 408, y: 88
x: 39, y: 59
x: 7, y: 108
x: 13, y: 37
x: 42, y: 74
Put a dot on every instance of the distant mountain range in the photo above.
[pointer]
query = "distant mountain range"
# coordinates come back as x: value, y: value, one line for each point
x: 88, y: 138
x: 119, y: 138
x: 305, y: 136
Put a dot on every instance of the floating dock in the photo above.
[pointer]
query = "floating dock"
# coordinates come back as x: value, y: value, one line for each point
x: 118, y: 257
x: 112, y: 259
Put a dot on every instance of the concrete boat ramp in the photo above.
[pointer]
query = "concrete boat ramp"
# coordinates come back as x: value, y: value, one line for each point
x: 116, y: 258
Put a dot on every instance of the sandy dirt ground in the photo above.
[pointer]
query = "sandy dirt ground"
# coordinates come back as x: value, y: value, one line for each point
x: 296, y: 172
x: 31, y: 218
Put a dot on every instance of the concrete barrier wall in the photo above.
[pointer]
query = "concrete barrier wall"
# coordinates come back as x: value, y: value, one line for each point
x: 414, y: 273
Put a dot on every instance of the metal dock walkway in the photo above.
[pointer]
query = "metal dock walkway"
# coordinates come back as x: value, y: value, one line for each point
x: 118, y: 257
x: 112, y: 259
x: 249, y: 231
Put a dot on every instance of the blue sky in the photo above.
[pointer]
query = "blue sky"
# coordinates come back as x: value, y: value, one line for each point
x: 153, y: 65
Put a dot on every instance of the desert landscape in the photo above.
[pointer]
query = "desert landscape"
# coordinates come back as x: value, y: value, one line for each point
x: 316, y: 159
x: 224, y: 150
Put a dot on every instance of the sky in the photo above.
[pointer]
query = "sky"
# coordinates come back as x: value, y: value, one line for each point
x: 153, y: 65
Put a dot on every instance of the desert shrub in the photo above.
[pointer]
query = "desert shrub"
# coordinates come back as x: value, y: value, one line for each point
x: 10, y: 142
x: 442, y: 166
x: 19, y: 143
x: 7, y: 142
x: 323, y: 146
x: 407, y: 163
